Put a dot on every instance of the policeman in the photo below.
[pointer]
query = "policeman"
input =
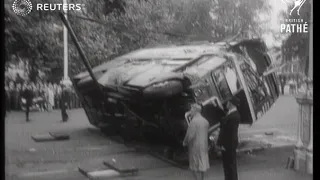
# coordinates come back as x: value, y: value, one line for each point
x: 63, y: 103
x: 28, y: 96
x: 228, y: 138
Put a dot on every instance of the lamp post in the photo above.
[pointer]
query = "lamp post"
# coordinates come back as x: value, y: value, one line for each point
x: 303, y: 152
x: 65, y: 80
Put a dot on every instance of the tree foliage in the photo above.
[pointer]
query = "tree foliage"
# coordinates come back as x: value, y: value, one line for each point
x: 108, y: 28
x: 297, y: 44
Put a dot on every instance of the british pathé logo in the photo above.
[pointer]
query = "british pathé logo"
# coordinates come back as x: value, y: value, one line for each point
x: 297, y: 5
x: 294, y: 25
x: 22, y: 7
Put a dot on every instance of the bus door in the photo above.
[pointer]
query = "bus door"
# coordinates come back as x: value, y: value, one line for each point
x: 227, y: 80
x: 258, y: 89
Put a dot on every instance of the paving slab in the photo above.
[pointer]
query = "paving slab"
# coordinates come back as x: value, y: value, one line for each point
x: 103, y: 174
x: 60, y: 135
x: 43, y: 137
x: 133, y: 162
x: 92, y: 166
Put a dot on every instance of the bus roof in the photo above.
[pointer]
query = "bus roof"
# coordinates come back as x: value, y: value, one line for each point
x: 185, y: 52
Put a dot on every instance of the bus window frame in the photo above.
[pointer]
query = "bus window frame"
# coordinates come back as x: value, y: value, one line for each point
x: 236, y: 62
x: 215, y: 81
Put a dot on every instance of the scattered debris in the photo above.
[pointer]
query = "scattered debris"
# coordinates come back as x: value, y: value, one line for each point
x: 59, y: 135
x: 103, y: 174
x: 50, y: 137
x: 32, y: 150
x: 269, y: 133
x: 43, y: 137
x: 123, y: 168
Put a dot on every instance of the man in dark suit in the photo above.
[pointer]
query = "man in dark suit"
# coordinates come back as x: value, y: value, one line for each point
x: 229, y: 117
x: 63, y: 103
x: 228, y: 139
x: 28, y: 96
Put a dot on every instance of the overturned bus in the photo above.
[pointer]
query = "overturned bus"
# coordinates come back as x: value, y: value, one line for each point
x: 155, y: 87
x: 151, y: 89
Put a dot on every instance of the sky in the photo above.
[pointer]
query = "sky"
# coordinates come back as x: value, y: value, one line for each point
x: 276, y: 7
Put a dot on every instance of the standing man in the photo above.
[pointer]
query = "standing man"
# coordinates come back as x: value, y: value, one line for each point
x: 197, y: 141
x: 28, y: 96
x: 63, y: 103
x: 228, y: 138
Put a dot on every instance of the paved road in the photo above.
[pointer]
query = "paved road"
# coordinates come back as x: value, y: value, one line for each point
x: 26, y: 159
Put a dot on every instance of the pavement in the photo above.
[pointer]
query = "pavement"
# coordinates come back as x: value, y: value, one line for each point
x: 88, y: 148
x: 263, y: 165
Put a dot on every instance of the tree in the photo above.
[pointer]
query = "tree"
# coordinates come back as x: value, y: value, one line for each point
x: 296, y: 44
x: 109, y: 28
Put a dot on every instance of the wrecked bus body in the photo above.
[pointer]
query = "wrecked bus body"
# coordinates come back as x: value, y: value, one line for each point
x: 151, y: 89
x: 155, y: 87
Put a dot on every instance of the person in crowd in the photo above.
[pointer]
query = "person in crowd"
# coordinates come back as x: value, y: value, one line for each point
x: 15, y: 97
x: 7, y: 95
x: 69, y: 98
x: 40, y: 96
x: 24, y: 86
x: 11, y: 95
x: 59, y: 90
x: 43, y: 95
x: 55, y: 90
x: 36, y: 89
x: 291, y: 86
x: 19, y: 93
x: 45, y: 98
x: 50, y: 96
x: 196, y: 139
x: 56, y: 96
x: 19, y: 79
x: 63, y: 103
x: 28, y: 95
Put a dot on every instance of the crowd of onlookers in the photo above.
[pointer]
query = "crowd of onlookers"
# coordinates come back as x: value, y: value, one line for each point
x: 49, y: 93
